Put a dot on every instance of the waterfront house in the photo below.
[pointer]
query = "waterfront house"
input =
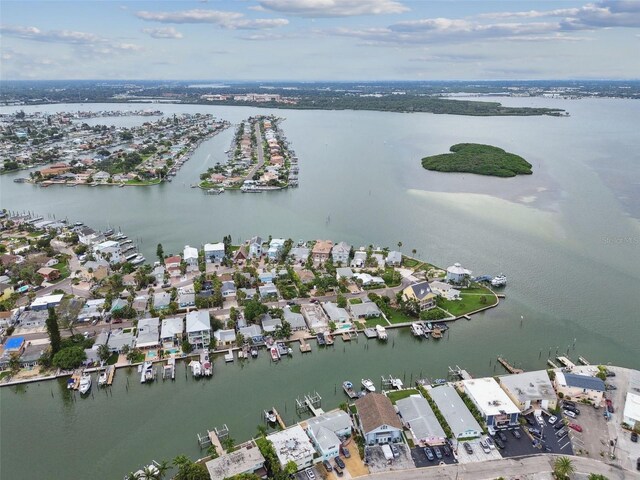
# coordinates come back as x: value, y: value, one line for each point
x: 199, y: 328
x: 359, y: 259
x: 326, y: 431
x: 46, y: 302
x: 394, y: 258
x: 293, y: 445
x: 171, y: 332
x: 88, y: 236
x: 530, y: 390
x: 255, y: 247
x: 109, y: 251
x: 340, y: 253
x: 253, y: 332
x: 461, y: 421
x: 275, y: 248
x: 296, y: 320
x: 631, y: 412
x: 579, y: 387
x: 322, y: 250
x: 457, y: 274
x: 269, y: 323
x: 366, y: 309
x: 32, y: 354
x: 118, y: 339
x: 494, y: 405
x: 246, y: 459
x: 161, y: 300
x: 421, y: 293
x: 225, y: 337
x: 148, y: 333
x: 214, y: 252
x: 343, y: 272
x: 241, y: 254
x: 172, y: 265
x: 336, y: 314
x: 190, y: 255
x: 299, y: 254
x: 268, y: 290
x: 228, y: 289
x: 417, y: 416
x: 368, y: 280
x: 445, y: 290
x: 378, y: 421
x: 48, y: 274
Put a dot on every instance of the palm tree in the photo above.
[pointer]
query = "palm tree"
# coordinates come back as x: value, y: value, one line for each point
x: 149, y: 473
x: 161, y: 469
x: 262, y: 431
x: 131, y: 476
x: 181, y: 460
x: 563, y: 467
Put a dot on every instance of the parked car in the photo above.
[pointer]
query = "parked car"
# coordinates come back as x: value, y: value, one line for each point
x: 575, y: 410
x: 611, y: 386
x: 447, y: 450
x: 502, y: 436
x: 438, y: 453
x: 327, y: 465
x: 569, y: 413
x: 485, y: 447
x: 576, y: 427
x: 499, y: 443
x: 609, y: 405
x: 338, y: 470
x: 534, y: 431
x: 552, y: 419
x: 339, y: 462
x: 310, y: 474
x: 429, y: 454
x: 492, y: 445
x: 609, y: 373
x: 638, y: 464
x: 559, y: 425
x: 540, y: 420
x: 634, y: 437
x: 561, y: 433
x: 568, y: 403
x: 467, y: 448
x: 516, y: 433
x: 394, y: 450
x: 347, y: 454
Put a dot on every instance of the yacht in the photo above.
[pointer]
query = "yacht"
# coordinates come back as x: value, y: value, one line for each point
x: 499, y: 280
x: 270, y: 416
x: 146, y: 373
x: 368, y: 385
x: 137, y: 260
x: 254, y: 352
x: 382, y: 332
x: 275, y: 355
x: 207, y: 366
x: 196, y: 368
x: 85, y: 384
x: 417, y: 330
x: 102, y: 379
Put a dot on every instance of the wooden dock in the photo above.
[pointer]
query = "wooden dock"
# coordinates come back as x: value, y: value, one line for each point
x: 551, y: 364
x: 215, y: 441
x: 279, y: 418
x: 583, y: 361
x: 565, y: 362
x: 304, y: 346
x: 370, y: 333
x: 466, y: 317
x: 346, y: 337
x: 76, y: 376
x: 111, y: 372
x: 328, y: 339
x: 508, y: 367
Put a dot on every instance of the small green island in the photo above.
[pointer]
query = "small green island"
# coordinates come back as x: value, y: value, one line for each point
x: 479, y: 159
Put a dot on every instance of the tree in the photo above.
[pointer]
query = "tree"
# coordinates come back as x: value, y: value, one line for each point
x: 192, y: 471
x: 181, y: 460
x: 161, y: 470
x: 14, y: 363
x: 69, y: 358
x: 283, y: 331
x: 563, y: 467
x: 262, y: 430
x: 342, y: 301
x: 253, y: 309
x: 597, y: 476
x: 54, y: 331
x: 228, y: 443
x: 290, y: 468
x: 160, y: 253
x: 186, y: 346
x: 103, y: 352
x: 332, y: 326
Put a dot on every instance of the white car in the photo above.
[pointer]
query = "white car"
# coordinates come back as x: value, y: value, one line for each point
x: 552, y: 419
x: 310, y: 474
x: 485, y: 447
x: 569, y: 413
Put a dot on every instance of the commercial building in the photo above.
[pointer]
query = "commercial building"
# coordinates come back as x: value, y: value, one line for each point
x: 496, y: 408
x: 246, y: 459
x: 579, y: 387
x: 530, y: 390
x: 48, y: 301
x: 293, y: 445
x: 460, y: 420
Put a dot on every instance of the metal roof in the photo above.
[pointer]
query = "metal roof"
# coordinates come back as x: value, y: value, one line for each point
x: 454, y: 411
x: 417, y: 413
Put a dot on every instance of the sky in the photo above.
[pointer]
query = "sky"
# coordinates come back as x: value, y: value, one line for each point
x: 307, y: 40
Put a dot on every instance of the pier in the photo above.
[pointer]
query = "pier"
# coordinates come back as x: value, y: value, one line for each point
x: 310, y: 403
x: 551, y: 364
x: 304, y: 346
x: 370, y: 333
x: 458, y: 373
x: 111, y: 373
x: 508, y: 367
x: 279, y: 418
x: 390, y: 382
x: 565, y: 362
x: 583, y: 361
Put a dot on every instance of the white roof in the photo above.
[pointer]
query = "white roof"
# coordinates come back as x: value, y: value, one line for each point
x: 291, y: 444
x: 529, y: 386
x: 47, y: 299
x: 171, y: 326
x: 336, y: 421
x: 458, y: 270
x: 190, y: 252
x: 454, y: 411
x: 242, y: 460
x: 148, y: 332
x: 632, y: 407
x: 198, y: 321
x: 417, y: 412
x: 489, y: 397
x: 214, y: 247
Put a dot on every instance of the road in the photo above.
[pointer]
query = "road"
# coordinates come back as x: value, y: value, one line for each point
x: 537, y: 466
x: 259, y: 152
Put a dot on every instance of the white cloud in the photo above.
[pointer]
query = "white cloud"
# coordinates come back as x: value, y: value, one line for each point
x: 167, y: 32
x: 230, y: 20
x: 334, y: 8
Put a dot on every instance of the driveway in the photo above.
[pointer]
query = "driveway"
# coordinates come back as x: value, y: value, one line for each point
x: 420, y: 458
x: 376, y: 461
x: 478, y: 454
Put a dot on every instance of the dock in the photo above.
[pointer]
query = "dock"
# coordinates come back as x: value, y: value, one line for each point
x: 346, y: 337
x: 508, y: 367
x: 466, y: 317
x: 74, y: 381
x: 348, y: 389
x: 304, y: 346
x: 551, y: 364
x: 328, y: 339
x: 501, y: 295
x: 111, y: 372
x: 228, y: 357
x: 391, y: 383
x: 310, y: 403
x: 583, y: 361
x: 564, y: 361
x: 370, y: 333
x: 283, y: 426
x: 169, y: 370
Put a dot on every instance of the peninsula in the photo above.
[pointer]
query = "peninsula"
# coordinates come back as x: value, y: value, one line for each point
x: 479, y: 159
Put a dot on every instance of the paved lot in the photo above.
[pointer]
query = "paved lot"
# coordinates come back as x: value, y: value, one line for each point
x: 525, y: 446
x: 594, y: 439
x: 478, y: 454
x: 301, y: 475
x: 626, y: 452
x: 421, y: 460
x: 374, y: 459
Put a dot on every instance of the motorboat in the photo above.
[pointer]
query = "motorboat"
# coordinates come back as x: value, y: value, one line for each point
x: 499, y: 280
x: 102, y: 379
x: 270, y: 416
x: 275, y: 355
x: 368, y: 385
x: 382, y: 332
x: 207, y: 366
x: 254, y: 352
x: 137, y: 260
x: 196, y: 368
x: 417, y: 329
x: 85, y: 384
x: 146, y: 375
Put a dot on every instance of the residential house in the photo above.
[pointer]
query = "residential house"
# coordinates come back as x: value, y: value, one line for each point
x: 109, y: 251
x: 296, y: 320
x: 46, y: 302
x: 340, y: 253
x: 161, y: 300
x: 95, y: 270
x: 494, y: 405
x: 344, y: 272
x: 171, y: 332
x: 322, y: 250
x: 445, y: 290
x: 421, y: 293
x: 190, y: 255
x: 87, y: 236
x: 119, y: 304
x: 245, y: 459
x: 49, y: 274
x: 368, y: 280
x: 417, y: 416
x: 359, y: 259
x: 394, y: 258
x: 186, y: 297
x: 631, y: 412
x: 148, y: 333
x: 266, y: 276
x: 228, y: 289
x: 248, y: 292
x: 255, y: 247
x: 457, y: 274
x: 33, y: 319
x: 378, y: 421
x: 579, y: 387
x: 269, y: 323
x: 293, y: 445
x: 6, y: 291
x: 268, y: 290
x: 129, y: 280
x: 91, y: 310
x: 336, y: 314
x: 118, y: 339
x: 326, y: 431
x: 530, y: 390
x: 225, y: 337
x: 199, y: 328
x: 241, y: 254
x: 306, y: 276
x: 214, y: 252
x: 459, y: 418
x: 254, y: 332
x: 275, y: 248
x: 172, y: 265
x: 299, y: 254
x: 366, y: 309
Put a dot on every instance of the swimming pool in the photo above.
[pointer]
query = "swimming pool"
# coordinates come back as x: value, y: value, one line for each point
x: 151, y: 354
x: 172, y: 351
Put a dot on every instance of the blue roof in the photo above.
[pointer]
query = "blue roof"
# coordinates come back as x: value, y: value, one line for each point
x: 584, y: 381
x: 14, y: 343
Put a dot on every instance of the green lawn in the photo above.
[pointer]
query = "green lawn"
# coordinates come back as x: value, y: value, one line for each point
x: 6, y: 373
x: 399, y: 395
x: 63, y: 268
x: 155, y: 181
x: 397, y: 316
x: 355, y: 301
x: 372, y: 322
x: 409, y: 262
x: 113, y: 359
x: 472, y: 299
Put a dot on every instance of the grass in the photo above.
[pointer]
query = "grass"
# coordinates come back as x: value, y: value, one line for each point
x: 5, y: 374
x: 113, y: 359
x: 471, y: 300
x: 397, y: 316
x: 409, y: 262
x: 399, y: 395
x: 479, y: 159
x: 355, y: 301
x: 63, y: 268
x: 155, y: 181
x: 372, y: 322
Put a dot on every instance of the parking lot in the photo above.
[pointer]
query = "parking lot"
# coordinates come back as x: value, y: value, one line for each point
x: 421, y: 460
x: 515, y: 447
x: 478, y: 454
x: 594, y: 438
x: 302, y: 475
x: 376, y: 461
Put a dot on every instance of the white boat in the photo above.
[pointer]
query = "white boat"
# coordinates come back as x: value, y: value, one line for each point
x: 85, y: 384
x: 382, y: 332
x: 196, y: 368
x: 102, y: 379
x: 499, y: 280
x: 139, y: 259
x: 146, y: 375
x: 270, y: 416
x: 417, y: 330
x: 368, y: 385
x: 207, y: 366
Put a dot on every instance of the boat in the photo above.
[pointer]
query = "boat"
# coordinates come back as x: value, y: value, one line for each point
x: 207, y: 366
x: 71, y: 383
x: 499, y: 280
x: 368, y: 385
x: 228, y: 357
x: 196, y: 368
x: 275, y: 356
x: 78, y: 224
x: 102, y: 379
x: 348, y: 389
x: 137, y: 260
x: 270, y: 416
x: 169, y: 370
x: 85, y: 384
x: 254, y: 352
x: 417, y: 330
x: 282, y: 349
x: 146, y: 375
x: 321, y: 339
x: 382, y: 332
x: 436, y: 333
x: 108, y: 232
